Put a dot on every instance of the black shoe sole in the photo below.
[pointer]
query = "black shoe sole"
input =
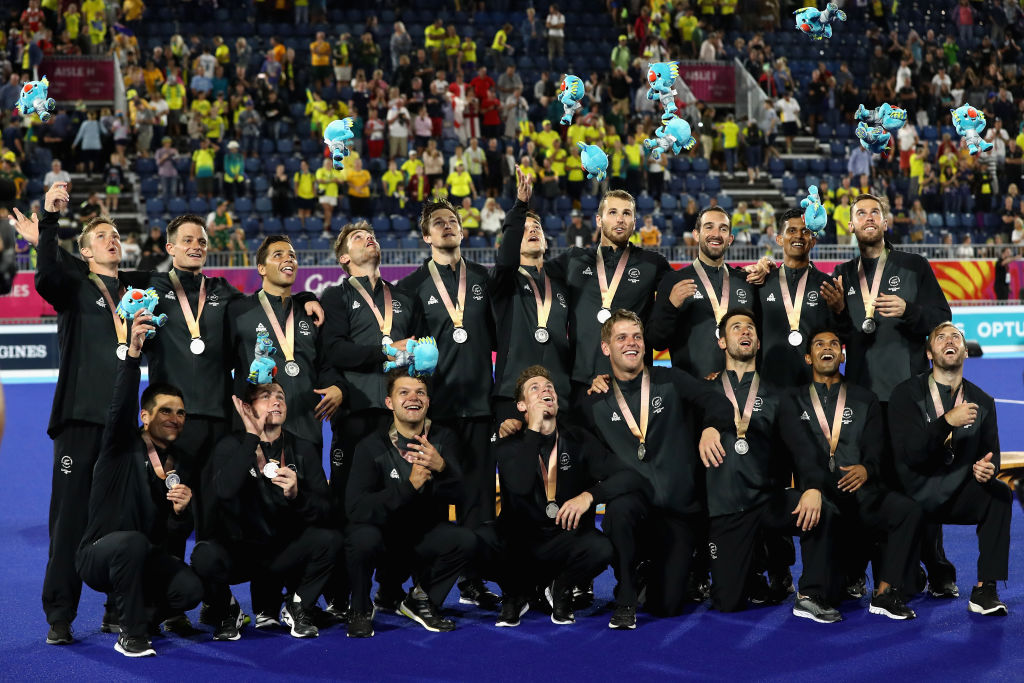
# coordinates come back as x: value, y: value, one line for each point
x: 405, y: 611
x: 145, y: 653
x: 998, y: 611
x: 59, y: 641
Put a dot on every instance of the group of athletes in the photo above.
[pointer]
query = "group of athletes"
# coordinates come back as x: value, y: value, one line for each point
x: 705, y: 469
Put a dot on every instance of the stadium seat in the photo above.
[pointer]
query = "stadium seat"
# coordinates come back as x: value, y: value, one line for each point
x: 263, y: 206
x: 272, y: 225
x: 952, y: 220
x: 145, y: 166
x: 700, y: 165
x: 251, y: 225
x: 243, y: 206
x: 199, y: 206
x: 799, y: 166
x: 177, y: 206
x: 844, y: 131
x: 588, y: 204
x: 381, y: 224
x: 817, y: 166
x: 935, y: 221
x: 668, y: 203
x: 929, y: 133
x: 155, y: 206
x: 789, y: 186
x: 776, y: 167
x: 693, y: 184
x: 644, y: 204
x: 314, y: 226
x: 387, y: 242
x: 410, y: 243
x: 292, y: 225
x: 401, y: 225
x: 478, y: 242
x: 149, y: 187
x: 552, y: 224
x: 713, y: 184
x: 253, y: 166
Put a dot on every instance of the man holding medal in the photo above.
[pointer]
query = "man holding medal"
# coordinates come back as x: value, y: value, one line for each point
x: 947, y: 456
x: 531, y: 310
x: 650, y: 419
x: 748, y: 492
x: 268, y: 508
x: 454, y: 296
x: 402, y: 481
x: 552, y: 477
x: 139, y: 506
x: 834, y: 432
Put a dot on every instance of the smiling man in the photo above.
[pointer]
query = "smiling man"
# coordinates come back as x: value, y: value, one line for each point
x: 947, y: 456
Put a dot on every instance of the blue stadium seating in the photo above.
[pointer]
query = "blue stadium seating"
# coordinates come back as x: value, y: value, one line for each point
x: 264, y: 206
x: 177, y: 206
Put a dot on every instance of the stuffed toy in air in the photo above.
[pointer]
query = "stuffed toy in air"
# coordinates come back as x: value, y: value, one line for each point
x: 815, y: 217
x: 817, y: 24
x: 135, y: 301
x: 888, y: 117
x: 34, y: 99
x: 569, y: 95
x: 662, y: 76
x: 336, y: 136
x: 875, y: 139
x: 969, y: 122
x: 420, y: 357
x: 263, y: 369
x: 594, y: 161
x: 674, y: 133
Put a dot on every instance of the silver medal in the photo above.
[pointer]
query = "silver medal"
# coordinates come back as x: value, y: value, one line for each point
x: 542, y: 335
x: 551, y: 509
x: 122, y: 351
x: 291, y: 368
x: 869, y: 326
x: 197, y: 346
x: 641, y: 452
x: 831, y: 463
x: 387, y: 340
x: 270, y: 470
x: 742, y: 447
x: 603, y: 315
x: 172, y: 480
x: 460, y: 335
x: 795, y: 338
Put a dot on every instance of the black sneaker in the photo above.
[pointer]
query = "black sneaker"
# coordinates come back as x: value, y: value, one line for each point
x: 539, y: 602
x: 111, y: 620
x: 512, y: 609
x: 624, y: 618
x: 889, y: 603
x: 295, y: 616
x: 263, y: 622
x: 560, y: 599
x: 816, y: 609
x: 340, y: 613
x: 583, y: 596
x: 944, y: 591
x: 698, y: 588
x: 60, y: 634
x: 360, y: 624
x: 985, y: 600
x: 134, y: 647
x: 385, y: 602
x: 229, y: 626
x: 423, y: 612
x: 474, y: 592
x: 178, y: 624
x: 758, y: 590
x: 858, y: 588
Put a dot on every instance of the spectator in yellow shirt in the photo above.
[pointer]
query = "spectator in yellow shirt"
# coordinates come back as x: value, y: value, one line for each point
x: 304, y: 186
x: 451, y: 44
x: 546, y: 136
x: 327, y: 181
x: 470, y: 217
x: 460, y: 183
x: 467, y: 54
x: 499, y: 47
x: 410, y: 165
x: 433, y: 37
x: 358, y: 182
x: 730, y: 133
x: 558, y: 157
x: 742, y: 224
x: 841, y: 216
x: 392, y: 182
x: 650, y: 235
x: 320, y: 57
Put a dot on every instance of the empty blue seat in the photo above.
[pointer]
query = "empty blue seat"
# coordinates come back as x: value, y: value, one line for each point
x: 644, y: 204
x: 588, y: 203
x: 478, y: 242
x: 952, y: 220
x: 243, y: 206
x: 693, y: 184
x: 292, y: 225
x: 935, y: 221
x: 177, y: 206
x: 145, y: 166
x: 251, y: 225
x: 381, y: 224
x: 401, y: 225
x: 776, y: 167
x: 712, y: 184
x: 789, y: 186
x: 314, y: 225
x: 552, y: 224
x: 410, y: 243
x: 263, y: 205
x: 272, y: 225
x: 155, y: 206
x: 198, y: 205
x: 700, y: 165
x: 149, y: 187
x: 668, y: 202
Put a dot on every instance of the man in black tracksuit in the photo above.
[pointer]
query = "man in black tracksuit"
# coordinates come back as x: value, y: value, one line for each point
x: 747, y: 494
x: 552, y: 477
x: 457, y: 314
x: 836, y: 439
x: 947, y: 456
x: 302, y: 369
x: 139, y: 506
x: 650, y: 419
x: 518, y: 278
x: 687, y: 312
x: 353, y: 338
x: 888, y: 346
x: 268, y: 507
x: 402, y: 481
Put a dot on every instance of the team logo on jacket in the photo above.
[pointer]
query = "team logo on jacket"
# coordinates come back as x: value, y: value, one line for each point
x: 561, y: 299
x: 805, y: 416
x: 588, y: 271
x: 396, y: 306
x: 741, y: 296
x: 615, y: 417
x: 65, y: 464
x: 355, y: 305
x: 304, y: 327
x: 252, y: 472
x: 894, y: 283
x: 812, y: 298
x: 713, y: 551
x: 478, y: 293
x: 698, y: 295
x: 847, y: 416
x: 758, y: 403
x: 563, y: 462
x: 101, y: 302
x: 432, y: 300
x: 634, y: 275
x: 657, y: 404
x: 771, y: 297
x: 261, y: 328
x: 851, y: 292
x: 213, y: 300
x: 170, y: 295
x: 394, y: 473
x: 337, y: 457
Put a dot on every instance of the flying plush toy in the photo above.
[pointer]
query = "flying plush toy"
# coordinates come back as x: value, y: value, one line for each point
x: 263, y: 369
x: 594, y: 161
x: 662, y: 76
x: 420, y: 357
x: 336, y: 136
x: 888, y: 117
x: 969, y: 122
x: 34, y: 99
x: 135, y: 301
x: 818, y: 24
x: 569, y: 95
x: 875, y: 139
x: 815, y: 217
x: 674, y: 133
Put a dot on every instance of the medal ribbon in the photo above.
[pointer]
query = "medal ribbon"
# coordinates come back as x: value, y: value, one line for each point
x: 186, y: 308
x: 154, y: 459
x: 543, y: 305
x: 742, y: 420
x: 383, y: 322
x: 285, y: 339
x: 831, y: 435
x: 393, y: 435
x: 793, y: 308
x: 550, y: 471
x: 937, y: 401
x: 869, y: 295
x: 120, y: 326
x: 454, y: 312
x: 261, y: 460
x: 608, y: 292
x: 719, y: 306
x: 640, y: 431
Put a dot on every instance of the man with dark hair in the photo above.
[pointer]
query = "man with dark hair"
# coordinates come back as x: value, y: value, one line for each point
x: 649, y: 420
x: 267, y: 508
x: 457, y: 313
x: 139, y: 504
x: 835, y: 434
x: 402, y: 481
x: 365, y: 314
x: 947, y: 455
x: 889, y: 300
x: 748, y: 494
x: 692, y: 300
